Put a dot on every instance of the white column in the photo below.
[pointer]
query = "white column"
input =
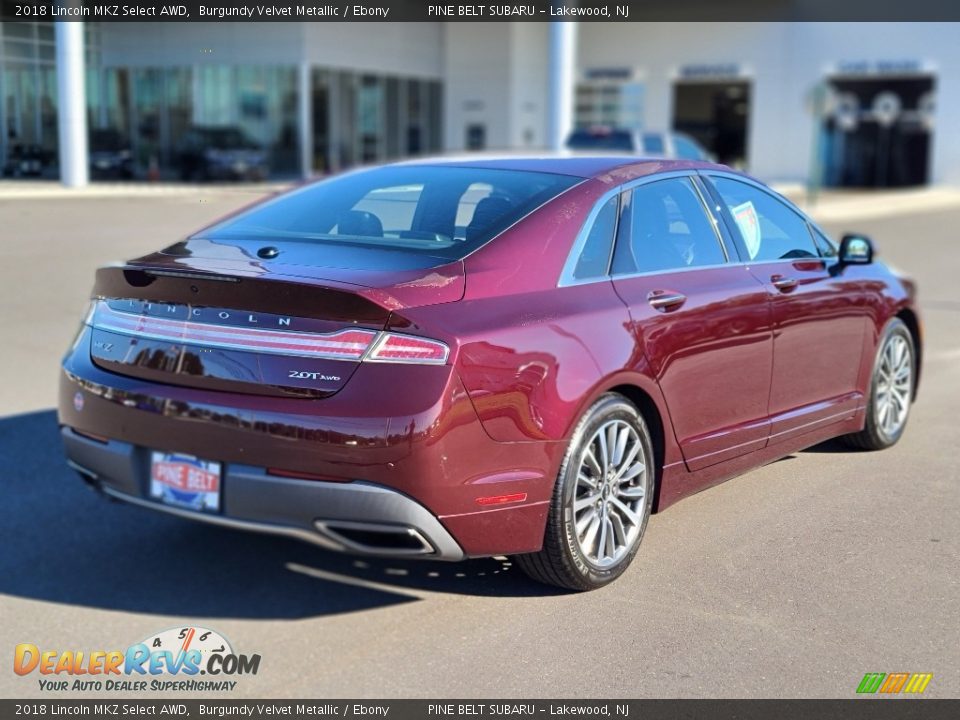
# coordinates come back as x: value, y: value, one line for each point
x: 562, y: 82
x: 71, y: 104
x: 305, y: 119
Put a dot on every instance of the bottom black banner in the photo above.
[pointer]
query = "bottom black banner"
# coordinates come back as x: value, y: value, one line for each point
x: 853, y: 709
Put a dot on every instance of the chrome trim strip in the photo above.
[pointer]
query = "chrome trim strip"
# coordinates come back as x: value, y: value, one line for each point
x: 231, y: 337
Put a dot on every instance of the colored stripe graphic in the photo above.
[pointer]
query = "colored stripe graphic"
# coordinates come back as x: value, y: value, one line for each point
x: 894, y: 682
x: 871, y: 682
x: 918, y: 682
x: 914, y: 683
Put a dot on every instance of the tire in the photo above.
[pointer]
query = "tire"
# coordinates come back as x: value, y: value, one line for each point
x: 595, y: 526
x: 884, y: 427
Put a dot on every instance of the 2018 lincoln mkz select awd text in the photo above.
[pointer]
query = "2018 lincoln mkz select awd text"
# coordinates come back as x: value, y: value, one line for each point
x: 460, y: 358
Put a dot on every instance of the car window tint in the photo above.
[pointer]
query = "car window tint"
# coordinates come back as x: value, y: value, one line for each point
x: 595, y: 255
x: 825, y: 245
x: 663, y: 226
x: 768, y: 228
x: 468, y: 206
x: 443, y: 211
x: 395, y: 208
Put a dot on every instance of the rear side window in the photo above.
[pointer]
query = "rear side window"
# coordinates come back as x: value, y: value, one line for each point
x: 664, y: 226
x: 595, y: 256
x: 768, y: 228
x: 442, y: 211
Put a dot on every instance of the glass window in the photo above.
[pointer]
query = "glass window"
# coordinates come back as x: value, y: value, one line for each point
x: 653, y: 143
x: 394, y: 208
x: 686, y: 149
x: 663, y: 226
x: 601, y: 139
x: 768, y: 228
x: 595, y: 255
x: 412, y: 208
x: 825, y: 245
x: 468, y: 205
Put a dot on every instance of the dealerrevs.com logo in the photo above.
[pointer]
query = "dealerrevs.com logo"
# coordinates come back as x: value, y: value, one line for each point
x: 171, y: 661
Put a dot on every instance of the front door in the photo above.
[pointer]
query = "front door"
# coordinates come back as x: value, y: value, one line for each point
x: 702, y: 322
x: 818, y: 315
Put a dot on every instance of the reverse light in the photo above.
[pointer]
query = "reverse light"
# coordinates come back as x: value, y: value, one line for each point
x: 396, y: 348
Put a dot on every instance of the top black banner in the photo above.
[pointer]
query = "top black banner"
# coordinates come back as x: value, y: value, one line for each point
x: 447, y: 11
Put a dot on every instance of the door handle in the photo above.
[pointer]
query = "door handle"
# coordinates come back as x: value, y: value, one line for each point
x: 783, y: 283
x: 665, y: 300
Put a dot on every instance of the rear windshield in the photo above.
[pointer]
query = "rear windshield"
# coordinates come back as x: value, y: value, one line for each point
x: 443, y: 211
x: 601, y: 139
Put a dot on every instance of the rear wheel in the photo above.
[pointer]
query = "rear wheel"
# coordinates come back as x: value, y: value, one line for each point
x: 601, y: 502
x: 891, y: 390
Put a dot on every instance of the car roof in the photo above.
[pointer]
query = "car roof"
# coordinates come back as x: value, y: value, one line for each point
x: 593, y: 165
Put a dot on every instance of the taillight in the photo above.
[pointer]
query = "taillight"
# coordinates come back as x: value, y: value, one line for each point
x: 357, y: 344
x: 349, y: 344
x: 396, y: 348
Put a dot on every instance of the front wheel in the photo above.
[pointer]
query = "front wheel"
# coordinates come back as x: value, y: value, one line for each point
x: 891, y: 390
x: 601, y: 502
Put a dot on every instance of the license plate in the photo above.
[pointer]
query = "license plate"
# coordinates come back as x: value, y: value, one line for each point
x: 185, y: 481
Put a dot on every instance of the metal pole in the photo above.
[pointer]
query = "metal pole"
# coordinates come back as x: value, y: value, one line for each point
x: 305, y: 119
x: 71, y: 104
x: 562, y: 81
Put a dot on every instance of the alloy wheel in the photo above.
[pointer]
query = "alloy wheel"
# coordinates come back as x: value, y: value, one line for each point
x: 894, y: 384
x: 611, y: 489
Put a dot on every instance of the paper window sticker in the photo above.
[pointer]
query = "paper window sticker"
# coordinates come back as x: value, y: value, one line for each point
x: 746, y: 218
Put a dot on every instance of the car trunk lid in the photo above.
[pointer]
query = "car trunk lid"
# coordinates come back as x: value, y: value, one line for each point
x: 212, y: 316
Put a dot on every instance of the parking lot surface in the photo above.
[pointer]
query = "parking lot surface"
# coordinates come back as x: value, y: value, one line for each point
x: 791, y: 581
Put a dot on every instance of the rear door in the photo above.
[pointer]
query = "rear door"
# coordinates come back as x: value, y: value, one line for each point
x: 818, y: 315
x: 702, y: 321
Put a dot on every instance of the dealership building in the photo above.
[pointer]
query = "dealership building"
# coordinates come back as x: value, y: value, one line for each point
x: 867, y: 104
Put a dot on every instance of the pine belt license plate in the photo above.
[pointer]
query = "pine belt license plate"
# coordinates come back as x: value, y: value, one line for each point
x: 185, y: 481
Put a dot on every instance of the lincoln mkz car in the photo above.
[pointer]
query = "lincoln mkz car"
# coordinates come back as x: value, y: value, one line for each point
x: 483, y: 357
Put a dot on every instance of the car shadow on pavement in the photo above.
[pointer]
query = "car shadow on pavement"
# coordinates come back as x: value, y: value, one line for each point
x: 65, y: 543
x: 834, y: 445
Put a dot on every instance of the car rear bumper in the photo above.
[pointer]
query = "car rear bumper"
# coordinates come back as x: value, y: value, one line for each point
x: 412, y: 466
x: 355, y: 517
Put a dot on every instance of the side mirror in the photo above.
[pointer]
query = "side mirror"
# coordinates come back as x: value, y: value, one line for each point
x: 856, y: 250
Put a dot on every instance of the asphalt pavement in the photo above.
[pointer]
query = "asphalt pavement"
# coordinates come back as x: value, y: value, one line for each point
x: 791, y: 581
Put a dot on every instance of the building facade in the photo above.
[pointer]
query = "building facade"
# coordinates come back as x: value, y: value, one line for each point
x: 856, y: 104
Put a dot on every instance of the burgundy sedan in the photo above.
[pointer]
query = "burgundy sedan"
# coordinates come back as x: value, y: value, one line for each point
x: 453, y: 359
